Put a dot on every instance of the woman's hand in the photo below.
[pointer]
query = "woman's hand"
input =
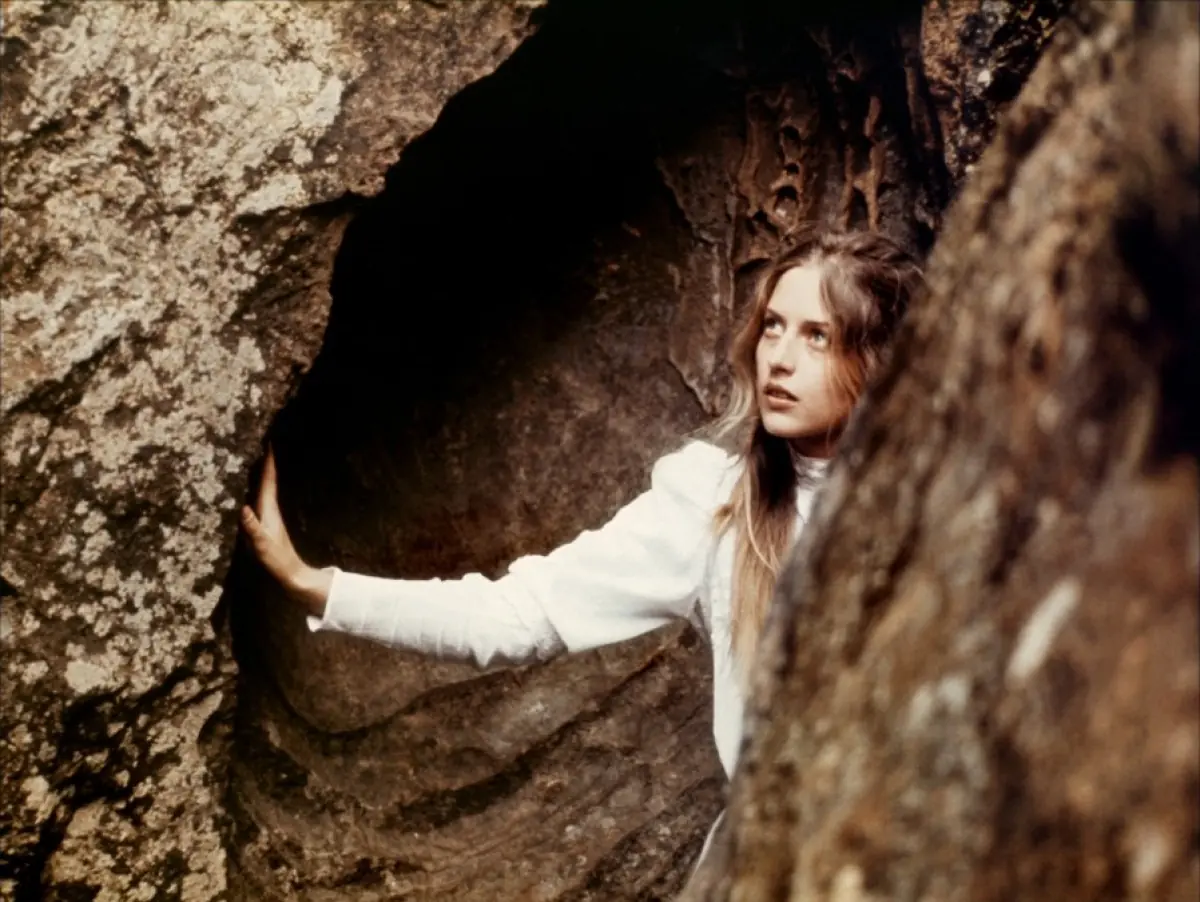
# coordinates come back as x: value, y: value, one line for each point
x: 272, y: 546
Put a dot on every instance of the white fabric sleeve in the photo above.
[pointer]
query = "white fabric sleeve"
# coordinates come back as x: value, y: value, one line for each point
x: 643, y: 568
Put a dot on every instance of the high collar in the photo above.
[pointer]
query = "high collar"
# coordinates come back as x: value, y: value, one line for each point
x: 816, y: 465
x: 809, y: 466
x: 810, y: 473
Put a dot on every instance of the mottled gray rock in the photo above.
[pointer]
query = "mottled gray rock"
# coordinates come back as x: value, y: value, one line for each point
x: 175, y: 185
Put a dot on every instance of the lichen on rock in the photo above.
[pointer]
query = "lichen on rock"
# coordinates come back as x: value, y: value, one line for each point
x: 172, y: 176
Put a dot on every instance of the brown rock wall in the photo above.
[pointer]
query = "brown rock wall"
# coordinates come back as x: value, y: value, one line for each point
x: 984, y: 680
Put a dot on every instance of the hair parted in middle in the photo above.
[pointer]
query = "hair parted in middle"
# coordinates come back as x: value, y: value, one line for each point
x: 866, y: 283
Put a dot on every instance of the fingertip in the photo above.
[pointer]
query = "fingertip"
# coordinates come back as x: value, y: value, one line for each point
x: 249, y: 520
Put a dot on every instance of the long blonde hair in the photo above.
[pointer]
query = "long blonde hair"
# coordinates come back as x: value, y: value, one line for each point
x: 866, y: 283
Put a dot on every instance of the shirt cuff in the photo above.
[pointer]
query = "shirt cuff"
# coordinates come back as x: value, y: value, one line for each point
x: 330, y: 619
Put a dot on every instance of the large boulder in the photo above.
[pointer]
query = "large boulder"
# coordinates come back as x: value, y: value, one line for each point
x: 177, y: 178
x: 982, y: 681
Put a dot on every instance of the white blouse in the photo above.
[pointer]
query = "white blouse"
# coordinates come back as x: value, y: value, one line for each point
x: 656, y: 560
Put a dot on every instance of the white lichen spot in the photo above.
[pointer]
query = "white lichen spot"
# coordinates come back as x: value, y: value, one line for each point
x: 950, y: 695
x: 86, y: 676
x: 29, y: 624
x: 24, y: 437
x: 848, y: 885
x: 1150, y: 853
x: 1049, y: 413
x: 954, y: 692
x: 38, y: 796
x: 301, y: 154
x: 920, y: 709
x: 34, y: 671
x: 280, y: 191
x: 103, y: 625
x: 1042, y: 628
x: 96, y: 544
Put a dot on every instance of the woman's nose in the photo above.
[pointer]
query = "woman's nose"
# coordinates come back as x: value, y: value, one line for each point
x: 780, y: 357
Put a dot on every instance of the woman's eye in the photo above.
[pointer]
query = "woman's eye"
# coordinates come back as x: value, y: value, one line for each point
x: 819, y: 338
x: 771, y: 326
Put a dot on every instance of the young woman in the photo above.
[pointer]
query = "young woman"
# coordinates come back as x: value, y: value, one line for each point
x: 705, y: 542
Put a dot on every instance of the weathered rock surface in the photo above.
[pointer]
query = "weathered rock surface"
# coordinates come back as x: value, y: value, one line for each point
x: 176, y: 181
x: 984, y: 680
x: 976, y: 55
x: 526, y: 310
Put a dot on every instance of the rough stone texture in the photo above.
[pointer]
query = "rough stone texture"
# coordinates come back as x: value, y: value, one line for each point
x: 975, y: 55
x: 177, y: 178
x: 526, y: 310
x: 836, y: 125
x: 983, y: 681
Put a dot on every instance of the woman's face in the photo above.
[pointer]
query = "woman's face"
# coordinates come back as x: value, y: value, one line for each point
x: 794, y: 361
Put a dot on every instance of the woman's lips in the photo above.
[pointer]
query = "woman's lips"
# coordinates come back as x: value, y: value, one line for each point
x: 778, y: 397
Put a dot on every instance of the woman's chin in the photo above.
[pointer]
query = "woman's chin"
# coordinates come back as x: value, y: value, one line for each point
x: 781, y: 425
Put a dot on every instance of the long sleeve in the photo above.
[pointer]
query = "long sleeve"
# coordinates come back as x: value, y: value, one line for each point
x: 643, y: 568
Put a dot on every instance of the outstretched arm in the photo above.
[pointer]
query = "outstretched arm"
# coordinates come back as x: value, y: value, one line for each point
x: 642, y: 569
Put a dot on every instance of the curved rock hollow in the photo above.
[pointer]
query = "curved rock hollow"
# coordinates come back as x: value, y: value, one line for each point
x: 494, y: 378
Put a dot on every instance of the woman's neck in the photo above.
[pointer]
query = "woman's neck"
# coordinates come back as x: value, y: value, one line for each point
x: 815, y: 447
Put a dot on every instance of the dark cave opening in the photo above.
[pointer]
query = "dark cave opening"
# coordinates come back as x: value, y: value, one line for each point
x: 501, y: 231
x: 535, y: 209
x: 501, y: 366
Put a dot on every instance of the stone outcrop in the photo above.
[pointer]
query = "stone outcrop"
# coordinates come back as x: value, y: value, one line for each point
x: 976, y: 55
x: 984, y: 679
x: 177, y: 178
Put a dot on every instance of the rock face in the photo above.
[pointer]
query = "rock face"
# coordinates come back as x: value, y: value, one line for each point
x: 176, y: 182
x: 976, y: 55
x: 484, y: 258
x: 984, y: 681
